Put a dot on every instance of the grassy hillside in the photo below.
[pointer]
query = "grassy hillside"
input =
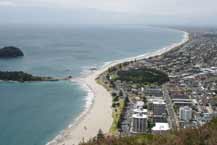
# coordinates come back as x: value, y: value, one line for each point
x: 206, y: 135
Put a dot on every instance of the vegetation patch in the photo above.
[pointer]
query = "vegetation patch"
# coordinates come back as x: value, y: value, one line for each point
x: 142, y: 75
x: 118, y: 107
x: 21, y: 77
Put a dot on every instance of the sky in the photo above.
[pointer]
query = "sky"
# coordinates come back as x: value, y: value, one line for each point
x: 201, y: 12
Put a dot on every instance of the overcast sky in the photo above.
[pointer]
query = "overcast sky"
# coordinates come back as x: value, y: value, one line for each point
x: 109, y: 11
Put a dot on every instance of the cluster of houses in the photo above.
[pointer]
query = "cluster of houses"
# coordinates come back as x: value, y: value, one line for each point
x: 194, y: 93
x: 189, y: 99
x: 193, y: 102
x: 150, y: 116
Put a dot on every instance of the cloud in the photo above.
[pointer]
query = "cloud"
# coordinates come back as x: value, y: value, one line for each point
x: 7, y: 4
x: 116, y: 10
x: 145, y: 7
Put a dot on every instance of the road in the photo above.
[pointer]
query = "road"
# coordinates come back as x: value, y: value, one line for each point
x: 173, y: 119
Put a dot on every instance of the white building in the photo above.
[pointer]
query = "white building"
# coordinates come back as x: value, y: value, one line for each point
x: 160, y: 128
x: 140, y: 111
x: 139, y: 123
x: 139, y: 104
x: 139, y: 118
x: 185, y: 113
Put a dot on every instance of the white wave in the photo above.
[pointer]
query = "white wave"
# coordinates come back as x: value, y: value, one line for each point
x: 89, y: 98
x: 86, y: 70
x: 90, y: 95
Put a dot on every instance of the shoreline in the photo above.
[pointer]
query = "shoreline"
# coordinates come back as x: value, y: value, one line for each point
x: 98, y: 114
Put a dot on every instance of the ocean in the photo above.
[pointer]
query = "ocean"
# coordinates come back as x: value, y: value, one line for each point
x: 33, y: 113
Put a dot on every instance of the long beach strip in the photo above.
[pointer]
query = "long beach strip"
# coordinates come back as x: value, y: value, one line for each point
x: 99, y: 114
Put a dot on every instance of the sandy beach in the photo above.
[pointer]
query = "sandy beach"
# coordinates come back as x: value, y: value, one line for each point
x: 99, y: 114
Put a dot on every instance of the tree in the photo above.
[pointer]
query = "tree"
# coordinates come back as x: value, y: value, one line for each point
x: 120, y: 93
x: 100, y: 135
x: 115, y: 98
x: 144, y: 99
x: 127, y: 100
x: 114, y: 94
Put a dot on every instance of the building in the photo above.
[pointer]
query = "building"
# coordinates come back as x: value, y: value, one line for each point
x: 160, y: 128
x: 139, y: 118
x: 139, y: 123
x: 182, y: 102
x: 159, y: 107
x: 153, y: 91
x: 159, y: 110
x: 140, y: 111
x: 185, y: 113
x: 180, y: 99
x: 139, y: 104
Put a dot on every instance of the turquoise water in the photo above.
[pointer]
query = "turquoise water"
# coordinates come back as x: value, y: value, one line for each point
x: 34, y: 113
x: 29, y: 111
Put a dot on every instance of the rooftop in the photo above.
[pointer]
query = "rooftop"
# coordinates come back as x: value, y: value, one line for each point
x: 161, y: 126
x: 140, y: 104
x: 159, y: 102
x: 139, y: 115
x: 140, y: 110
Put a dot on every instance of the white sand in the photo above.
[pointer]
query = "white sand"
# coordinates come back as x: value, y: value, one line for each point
x: 99, y: 114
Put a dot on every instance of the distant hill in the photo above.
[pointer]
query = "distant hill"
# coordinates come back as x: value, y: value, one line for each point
x: 10, y: 52
x: 205, y: 135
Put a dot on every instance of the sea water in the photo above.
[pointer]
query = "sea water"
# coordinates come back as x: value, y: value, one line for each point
x: 34, y: 113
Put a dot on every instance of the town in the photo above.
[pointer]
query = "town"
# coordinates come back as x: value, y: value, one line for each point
x: 167, y: 92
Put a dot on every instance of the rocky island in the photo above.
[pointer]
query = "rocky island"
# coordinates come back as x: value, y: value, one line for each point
x: 10, y: 52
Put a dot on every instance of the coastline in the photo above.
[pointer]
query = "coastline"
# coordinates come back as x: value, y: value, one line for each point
x: 98, y: 114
